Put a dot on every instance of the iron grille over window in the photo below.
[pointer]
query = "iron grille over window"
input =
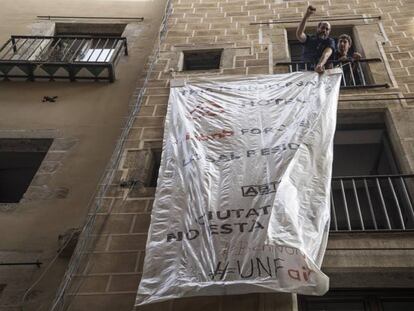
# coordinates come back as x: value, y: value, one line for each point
x: 356, y: 74
x: 372, y: 203
x: 359, y: 300
x: 61, y: 57
x: 368, y: 192
x: 353, y: 72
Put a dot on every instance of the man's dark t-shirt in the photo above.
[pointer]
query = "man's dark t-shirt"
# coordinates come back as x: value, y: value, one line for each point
x: 314, y: 46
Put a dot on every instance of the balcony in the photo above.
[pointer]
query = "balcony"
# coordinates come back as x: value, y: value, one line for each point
x: 372, y: 203
x: 354, y: 74
x: 61, y: 58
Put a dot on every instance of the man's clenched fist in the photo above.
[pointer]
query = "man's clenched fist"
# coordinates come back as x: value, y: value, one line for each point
x: 310, y: 10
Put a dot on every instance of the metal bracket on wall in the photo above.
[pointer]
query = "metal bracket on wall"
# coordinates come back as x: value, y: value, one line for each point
x: 35, y: 263
x: 130, y: 183
x: 325, y: 18
x: 50, y: 17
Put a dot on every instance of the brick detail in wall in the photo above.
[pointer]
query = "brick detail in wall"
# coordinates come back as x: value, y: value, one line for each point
x: 111, y: 275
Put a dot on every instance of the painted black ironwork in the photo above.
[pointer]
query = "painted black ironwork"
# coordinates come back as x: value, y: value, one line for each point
x: 61, y: 57
x: 50, y: 17
x: 372, y: 203
x: 353, y: 72
x: 29, y: 263
x: 321, y: 18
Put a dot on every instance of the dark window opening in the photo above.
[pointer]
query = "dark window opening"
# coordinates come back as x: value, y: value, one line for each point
x: 359, y: 300
x: 355, y: 74
x: 19, y: 161
x: 202, y: 60
x: 90, y: 29
x: 363, y: 150
x: 368, y: 192
x: 100, y: 49
x: 78, y: 49
x: 155, y: 167
x: 2, y: 287
x: 296, y: 48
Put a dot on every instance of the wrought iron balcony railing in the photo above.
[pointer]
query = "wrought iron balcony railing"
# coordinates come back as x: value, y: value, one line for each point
x: 372, y: 203
x: 61, y: 57
x: 353, y: 72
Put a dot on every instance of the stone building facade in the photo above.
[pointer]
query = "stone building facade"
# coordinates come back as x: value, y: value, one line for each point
x: 373, y: 265
x: 57, y: 136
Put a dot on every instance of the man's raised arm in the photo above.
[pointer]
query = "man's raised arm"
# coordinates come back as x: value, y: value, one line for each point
x: 300, y: 31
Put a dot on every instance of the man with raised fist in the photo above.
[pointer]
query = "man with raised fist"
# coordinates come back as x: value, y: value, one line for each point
x: 317, y: 48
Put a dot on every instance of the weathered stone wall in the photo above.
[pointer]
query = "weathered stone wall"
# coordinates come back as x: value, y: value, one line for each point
x: 84, y: 123
x: 109, y: 278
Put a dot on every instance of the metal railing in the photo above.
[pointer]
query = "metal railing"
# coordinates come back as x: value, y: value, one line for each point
x: 372, y: 203
x: 28, y: 53
x: 353, y: 72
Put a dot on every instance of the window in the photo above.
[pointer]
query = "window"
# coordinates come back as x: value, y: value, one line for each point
x: 361, y: 149
x: 144, y: 164
x: 155, y: 167
x: 77, y: 51
x: 2, y: 287
x: 353, y: 73
x: 97, y: 50
x: 101, y: 45
x: 19, y: 161
x: 359, y: 300
x: 295, y: 47
x: 368, y: 72
x: 202, y: 59
x: 85, y: 29
x: 368, y: 193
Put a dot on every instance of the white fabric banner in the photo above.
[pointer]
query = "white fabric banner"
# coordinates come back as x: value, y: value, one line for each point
x: 242, y: 203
